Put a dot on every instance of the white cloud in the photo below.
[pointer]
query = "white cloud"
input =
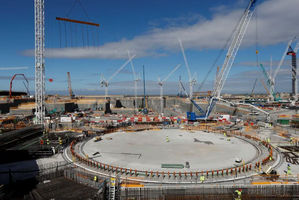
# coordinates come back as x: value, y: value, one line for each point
x: 277, y: 20
x: 13, y: 68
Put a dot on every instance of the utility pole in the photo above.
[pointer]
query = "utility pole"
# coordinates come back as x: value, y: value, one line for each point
x: 143, y: 87
x: 39, y: 61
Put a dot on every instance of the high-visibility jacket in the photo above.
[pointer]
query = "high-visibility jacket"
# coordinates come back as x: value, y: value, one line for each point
x: 202, y: 178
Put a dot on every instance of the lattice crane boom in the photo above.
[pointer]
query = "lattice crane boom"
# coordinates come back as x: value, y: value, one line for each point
x: 39, y: 61
x: 191, y: 79
x: 231, y: 54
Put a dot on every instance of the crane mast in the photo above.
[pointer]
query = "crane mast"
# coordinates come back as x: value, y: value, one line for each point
x: 70, y: 85
x: 39, y: 61
x: 231, y: 54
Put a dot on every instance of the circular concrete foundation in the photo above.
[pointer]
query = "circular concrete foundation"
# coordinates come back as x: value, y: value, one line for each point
x: 147, y: 150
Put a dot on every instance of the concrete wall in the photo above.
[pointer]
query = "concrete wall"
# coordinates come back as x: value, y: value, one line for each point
x: 5, y: 107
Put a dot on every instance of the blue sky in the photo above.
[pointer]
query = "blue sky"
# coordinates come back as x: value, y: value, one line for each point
x: 150, y: 30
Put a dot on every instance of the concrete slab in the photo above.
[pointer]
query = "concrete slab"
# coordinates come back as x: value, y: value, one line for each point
x: 147, y: 150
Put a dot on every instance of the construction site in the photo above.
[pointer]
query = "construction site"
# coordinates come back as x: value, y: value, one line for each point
x: 193, y: 145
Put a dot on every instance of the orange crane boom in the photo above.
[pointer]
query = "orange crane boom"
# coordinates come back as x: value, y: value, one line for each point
x: 77, y: 21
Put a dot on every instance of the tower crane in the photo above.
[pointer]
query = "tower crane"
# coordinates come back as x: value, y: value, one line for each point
x: 71, y: 93
x: 236, y: 41
x: 136, y: 79
x: 161, y: 82
x: 105, y: 82
x: 39, y: 19
x: 293, y: 52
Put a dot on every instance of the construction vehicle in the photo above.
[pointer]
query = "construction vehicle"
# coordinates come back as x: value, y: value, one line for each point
x: 26, y: 85
x: 97, y: 138
x: 237, y: 38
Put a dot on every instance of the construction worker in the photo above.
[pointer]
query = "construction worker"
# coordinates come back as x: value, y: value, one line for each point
x: 289, y: 170
x: 291, y: 140
x: 60, y: 140
x: 238, y: 194
x: 202, y: 178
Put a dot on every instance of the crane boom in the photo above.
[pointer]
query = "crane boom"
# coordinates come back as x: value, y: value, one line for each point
x: 231, y: 54
x: 11, y: 81
x: 263, y: 83
x: 117, y: 71
x: 185, y: 59
x: 253, y: 87
x: 266, y: 75
x: 167, y: 77
x: 282, y: 59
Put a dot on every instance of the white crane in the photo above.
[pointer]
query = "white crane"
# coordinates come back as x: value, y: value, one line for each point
x: 161, y: 82
x: 237, y: 38
x: 39, y: 19
x: 105, y: 83
x: 192, y: 80
x: 136, y: 79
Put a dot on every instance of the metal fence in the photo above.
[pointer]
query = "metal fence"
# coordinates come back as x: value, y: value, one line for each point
x: 52, y: 170
x: 213, y: 192
x: 85, y: 178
